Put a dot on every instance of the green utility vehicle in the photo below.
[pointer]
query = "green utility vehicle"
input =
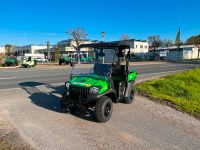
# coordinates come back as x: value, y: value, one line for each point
x: 87, y: 60
x: 29, y: 62
x: 107, y: 83
x: 11, y: 61
x: 65, y: 59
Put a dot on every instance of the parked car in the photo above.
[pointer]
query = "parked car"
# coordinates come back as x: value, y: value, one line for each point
x: 29, y: 62
x: 11, y: 61
x: 41, y: 60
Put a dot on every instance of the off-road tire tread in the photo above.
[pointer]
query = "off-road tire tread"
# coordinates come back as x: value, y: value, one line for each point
x: 98, y: 108
x: 127, y: 100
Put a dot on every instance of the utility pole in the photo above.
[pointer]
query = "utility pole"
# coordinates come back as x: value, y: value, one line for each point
x: 103, y: 34
x: 48, y: 49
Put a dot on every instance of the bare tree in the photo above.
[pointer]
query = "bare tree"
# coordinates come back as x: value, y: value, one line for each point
x: 57, y: 53
x: 78, y: 35
x: 124, y: 37
x: 167, y: 43
x: 154, y: 42
x: 9, y: 49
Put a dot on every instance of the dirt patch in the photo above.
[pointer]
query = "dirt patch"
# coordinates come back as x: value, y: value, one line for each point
x: 10, y: 138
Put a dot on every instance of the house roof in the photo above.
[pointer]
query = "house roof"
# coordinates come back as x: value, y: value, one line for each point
x: 107, y: 45
x: 173, y: 47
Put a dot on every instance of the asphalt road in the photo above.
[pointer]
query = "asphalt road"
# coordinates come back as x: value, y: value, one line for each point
x: 30, y: 100
x: 12, y: 79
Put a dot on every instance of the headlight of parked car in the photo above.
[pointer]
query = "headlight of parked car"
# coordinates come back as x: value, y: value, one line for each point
x: 95, y: 89
x: 67, y: 84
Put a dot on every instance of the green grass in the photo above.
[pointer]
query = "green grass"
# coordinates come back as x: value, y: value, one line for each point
x: 181, y: 91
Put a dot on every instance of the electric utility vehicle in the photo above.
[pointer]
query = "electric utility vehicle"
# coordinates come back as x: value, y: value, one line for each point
x: 107, y: 83
x: 29, y: 62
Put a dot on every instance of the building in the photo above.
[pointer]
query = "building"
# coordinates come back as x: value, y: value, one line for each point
x: 29, y: 49
x: 67, y: 47
x: 139, y: 47
x: 173, y: 53
x: 2, y: 50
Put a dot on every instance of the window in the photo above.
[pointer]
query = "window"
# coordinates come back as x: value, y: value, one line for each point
x: 135, y: 46
x: 145, y: 47
x: 141, y: 46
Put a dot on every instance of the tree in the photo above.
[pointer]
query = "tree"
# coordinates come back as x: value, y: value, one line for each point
x: 178, y: 42
x: 167, y: 43
x: 154, y: 42
x: 57, y: 53
x: 9, y: 49
x: 78, y: 35
x: 178, y: 38
x: 194, y: 40
x: 1, y: 59
x: 124, y: 37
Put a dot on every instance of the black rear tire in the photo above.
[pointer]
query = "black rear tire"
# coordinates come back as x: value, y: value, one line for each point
x: 131, y: 96
x: 103, y: 109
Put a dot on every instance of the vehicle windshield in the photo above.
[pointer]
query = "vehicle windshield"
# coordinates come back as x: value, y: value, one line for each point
x: 100, y: 61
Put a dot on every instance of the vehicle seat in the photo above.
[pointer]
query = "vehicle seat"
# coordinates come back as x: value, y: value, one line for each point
x: 119, y: 71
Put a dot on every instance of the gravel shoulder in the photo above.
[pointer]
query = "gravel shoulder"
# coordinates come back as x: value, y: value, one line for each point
x: 141, y: 125
x: 10, y: 137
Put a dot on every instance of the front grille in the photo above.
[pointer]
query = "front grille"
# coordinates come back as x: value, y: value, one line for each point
x: 77, y: 91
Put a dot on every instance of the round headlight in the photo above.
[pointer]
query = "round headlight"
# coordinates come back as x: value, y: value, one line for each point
x: 94, y: 90
x: 67, y: 84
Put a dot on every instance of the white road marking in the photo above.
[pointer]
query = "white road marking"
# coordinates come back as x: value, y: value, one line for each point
x: 8, y: 78
x: 58, y: 84
x: 10, y: 89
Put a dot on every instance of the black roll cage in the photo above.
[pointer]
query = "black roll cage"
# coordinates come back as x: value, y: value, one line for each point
x: 117, y: 46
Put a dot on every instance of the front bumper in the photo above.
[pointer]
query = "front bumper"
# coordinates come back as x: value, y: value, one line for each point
x: 78, y: 96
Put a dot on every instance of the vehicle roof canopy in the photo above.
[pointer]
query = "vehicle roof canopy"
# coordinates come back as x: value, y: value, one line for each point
x: 107, y: 45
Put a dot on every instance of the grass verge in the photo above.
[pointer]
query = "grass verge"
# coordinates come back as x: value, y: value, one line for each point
x: 181, y: 91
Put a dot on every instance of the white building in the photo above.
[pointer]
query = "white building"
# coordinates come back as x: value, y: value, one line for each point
x: 139, y: 47
x: 67, y: 46
x: 30, y: 49
x: 2, y: 50
x: 173, y: 53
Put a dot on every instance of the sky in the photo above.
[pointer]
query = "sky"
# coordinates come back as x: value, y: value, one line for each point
x: 24, y: 22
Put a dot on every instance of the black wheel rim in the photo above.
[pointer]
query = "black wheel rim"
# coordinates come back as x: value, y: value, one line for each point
x: 107, y: 110
x: 132, y: 94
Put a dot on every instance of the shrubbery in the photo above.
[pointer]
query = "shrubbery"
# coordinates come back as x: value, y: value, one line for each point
x: 1, y: 59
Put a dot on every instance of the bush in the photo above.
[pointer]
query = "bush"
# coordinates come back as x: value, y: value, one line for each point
x: 1, y: 59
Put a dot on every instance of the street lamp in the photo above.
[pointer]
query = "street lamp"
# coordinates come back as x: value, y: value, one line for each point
x: 103, y: 34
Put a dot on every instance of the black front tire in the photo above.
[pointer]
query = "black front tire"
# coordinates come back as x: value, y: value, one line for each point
x: 131, y: 96
x: 103, y: 109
